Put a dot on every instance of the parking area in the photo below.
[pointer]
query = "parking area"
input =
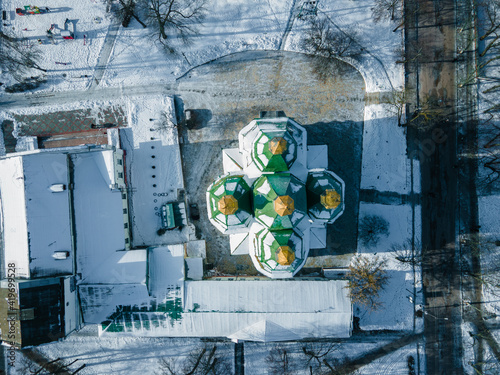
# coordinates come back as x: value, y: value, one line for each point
x: 228, y: 93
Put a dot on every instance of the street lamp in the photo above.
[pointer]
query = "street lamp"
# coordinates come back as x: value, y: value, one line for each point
x: 435, y: 317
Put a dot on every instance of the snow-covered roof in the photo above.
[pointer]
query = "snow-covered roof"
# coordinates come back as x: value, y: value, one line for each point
x: 98, y: 301
x: 99, y: 218
x: 229, y: 203
x: 36, y: 219
x: 279, y: 200
x: 15, y: 230
x: 261, y: 296
x: 105, y: 162
x: 265, y: 331
x: 245, y: 310
x: 278, y: 254
x: 165, y: 269
x: 304, y: 308
x: 272, y: 145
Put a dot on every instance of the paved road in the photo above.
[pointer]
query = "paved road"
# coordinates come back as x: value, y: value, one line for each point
x: 432, y: 25
x: 60, y: 98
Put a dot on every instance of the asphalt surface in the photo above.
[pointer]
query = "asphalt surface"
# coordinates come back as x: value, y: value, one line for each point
x: 431, y: 30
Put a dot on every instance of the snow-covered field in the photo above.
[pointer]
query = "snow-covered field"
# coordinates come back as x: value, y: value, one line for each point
x: 80, y: 54
x: 122, y: 355
x: 397, y: 297
x: 231, y: 26
x: 384, y: 142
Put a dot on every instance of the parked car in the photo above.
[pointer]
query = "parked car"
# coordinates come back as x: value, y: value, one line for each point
x: 60, y: 255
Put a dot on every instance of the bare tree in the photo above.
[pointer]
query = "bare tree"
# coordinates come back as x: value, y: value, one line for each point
x: 174, y: 18
x: 371, y: 228
x: 408, y: 253
x: 164, y: 123
x: 484, y: 246
x: 17, y: 57
x: 125, y: 11
x: 325, y: 42
x: 388, y: 10
x: 398, y: 101
x: 317, y: 353
x: 489, y: 151
x: 366, y: 278
x: 55, y: 366
x: 323, y: 38
x: 201, y: 361
x: 279, y: 362
x: 492, y: 19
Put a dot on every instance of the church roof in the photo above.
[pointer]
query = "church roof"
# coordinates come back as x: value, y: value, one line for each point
x: 229, y: 202
x: 325, y: 196
x: 273, y: 145
x: 279, y: 200
x: 279, y: 253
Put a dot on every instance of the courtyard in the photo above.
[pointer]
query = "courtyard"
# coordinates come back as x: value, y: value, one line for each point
x: 228, y: 93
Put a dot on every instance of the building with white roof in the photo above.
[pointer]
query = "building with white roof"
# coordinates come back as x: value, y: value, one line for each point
x: 56, y: 205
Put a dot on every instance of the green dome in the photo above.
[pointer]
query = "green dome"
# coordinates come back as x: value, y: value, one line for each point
x: 325, y: 196
x: 274, y: 151
x: 229, y: 202
x: 279, y: 253
x: 279, y: 200
x: 272, y: 145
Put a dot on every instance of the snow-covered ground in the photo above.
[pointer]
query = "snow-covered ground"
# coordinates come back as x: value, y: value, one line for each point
x: 400, y: 220
x: 384, y: 166
x: 80, y: 55
x: 231, y: 26
x: 258, y: 360
x: 122, y: 355
x: 489, y: 221
x: 138, y: 356
x: 397, y: 297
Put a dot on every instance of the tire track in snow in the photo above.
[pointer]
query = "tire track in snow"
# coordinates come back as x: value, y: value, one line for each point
x: 288, y: 27
x: 102, y: 61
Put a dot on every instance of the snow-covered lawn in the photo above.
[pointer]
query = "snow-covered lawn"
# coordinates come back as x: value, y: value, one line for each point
x: 394, y: 363
x: 123, y: 355
x: 400, y: 225
x: 231, y: 26
x: 397, y: 298
x: 385, y: 166
x: 378, y: 66
x: 397, y: 309
x: 79, y: 55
